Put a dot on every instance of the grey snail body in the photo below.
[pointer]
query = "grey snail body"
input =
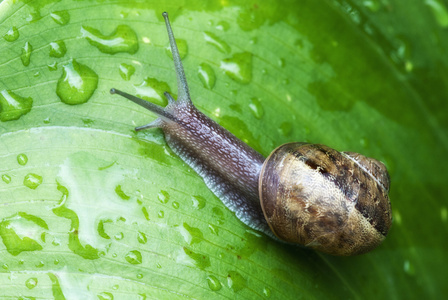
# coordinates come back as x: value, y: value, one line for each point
x: 306, y: 194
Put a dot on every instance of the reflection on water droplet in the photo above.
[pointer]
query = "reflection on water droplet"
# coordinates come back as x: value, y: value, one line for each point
x: 141, y: 238
x: 105, y: 296
x: 61, y: 17
x: 12, y: 34
x: 215, y: 41
x: 58, y: 49
x: 13, y: 106
x: 26, y: 54
x: 126, y: 71
x: 134, y: 257
x: 207, y: 75
x: 22, y: 159
x: 256, y: 108
x: 238, y: 67
x: 182, y: 46
x: 235, y: 281
x: 77, y: 83
x: 213, y: 283
x: 285, y: 129
x: 123, y: 39
x: 31, y: 283
x: 440, y: 12
x: 152, y: 90
x: 6, y: 178
x: 267, y: 292
x: 198, y: 202
x: 163, y: 197
x: 32, y: 180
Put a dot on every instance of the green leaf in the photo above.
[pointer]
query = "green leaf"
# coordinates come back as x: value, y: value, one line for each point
x: 92, y: 209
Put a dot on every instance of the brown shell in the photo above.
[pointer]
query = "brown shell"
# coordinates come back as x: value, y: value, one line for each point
x: 330, y: 201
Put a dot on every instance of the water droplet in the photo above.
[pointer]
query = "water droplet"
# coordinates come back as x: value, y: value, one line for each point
x: 175, y: 204
x: 256, y: 108
x: 56, y: 261
x: 198, y: 202
x: 31, y: 283
x: 373, y: 5
x: 285, y: 129
x: 33, y: 16
x: 12, y: 34
x: 119, y: 236
x: 163, y: 197
x: 61, y: 17
x: 235, y: 281
x: 141, y: 238
x: 105, y: 296
x: 123, y: 39
x: 191, y: 235
x: 77, y: 83
x: 58, y: 49
x: 213, y: 229
x: 22, y: 159
x: 364, y: 142
x: 215, y: 41
x: 13, y: 106
x: 213, y: 283
x: 159, y: 266
x: 52, y: 67
x: 409, y: 268
x: 238, y: 67
x: 6, y: 178
x: 161, y: 214
x: 5, y: 267
x: 440, y: 12
x: 281, y: 62
x: 218, y: 214
x: 126, y: 71
x: 207, y: 75
x: 152, y: 90
x: 223, y: 25
x: 145, y: 213
x: 121, y: 194
x: 444, y: 214
x: 32, y: 180
x: 199, y: 260
x: 267, y: 292
x: 134, y: 257
x: 182, y: 46
x: 26, y: 54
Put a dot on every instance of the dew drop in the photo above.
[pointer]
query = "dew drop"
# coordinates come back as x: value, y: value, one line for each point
x: 175, y: 204
x: 285, y: 129
x: 77, y: 83
x: 373, y: 5
x: 26, y: 54
x: 409, y: 268
x: 134, y: 257
x: 182, y: 46
x: 12, y: 34
x: 159, y: 266
x: 58, y: 49
x: 163, y: 197
x: 6, y: 178
x: 141, y: 238
x: 119, y: 236
x: 52, y: 67
x: 145, y: 213
x: 207, y: 75
x: 105, y: 296
x: 223, y: 25
x: 61, y: 17
x: 161, y: 214
x: 152, y: 90
x: 198, y: 202
x: 281, y: 62
x: 13, y: 106
x: 5, y: 267
x: 123, y: 39
x: 126, y: 71
x: 215, y: 41
x: 22, y: 159
x: 199, y: 260
x: 256, y: 108
x: 213, y: 283
x: 31, y: 283
x: 238, y: 67
x: 191, y: 235
x: 236, y: 281
x: 218, y: 214
x: 32, y: 180
x: 213, y: 229
x: 139, y: 276
x: 267, y: 292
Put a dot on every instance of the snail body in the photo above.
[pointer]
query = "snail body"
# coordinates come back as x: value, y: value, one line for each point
x: 307, y: 194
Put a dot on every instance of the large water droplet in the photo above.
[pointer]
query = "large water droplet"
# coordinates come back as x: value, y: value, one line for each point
x: 198, y: 202
x: 134, y: 257
x: 31, y: 283
x: 58, y: 49
x: 214, y: 40
x: 105, y: 296
x: 182, y: 46
x: 256, y: 108
x: 6, y: 178
x: 13, y: 106
x: 32, y: 180
x: 207, y: 75
x: 12, y: 34
x: 238, y: 67
x: 236, y: 281
x: 163, y: 197
x: 199, y: 260
x: 126, y: 71
x: 61, y: 17
x: 191, y: 235
x: 213, y: 283
x: 141, y: 237
x: 22, y: 159
x: 223, y: 25
x: 267, y: 292
x: 123, y: 39
x: 152, y: 90
x: 77, y: 83
x: 26, y: 54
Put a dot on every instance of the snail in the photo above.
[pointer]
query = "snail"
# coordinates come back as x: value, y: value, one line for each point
x: 306, y: 194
